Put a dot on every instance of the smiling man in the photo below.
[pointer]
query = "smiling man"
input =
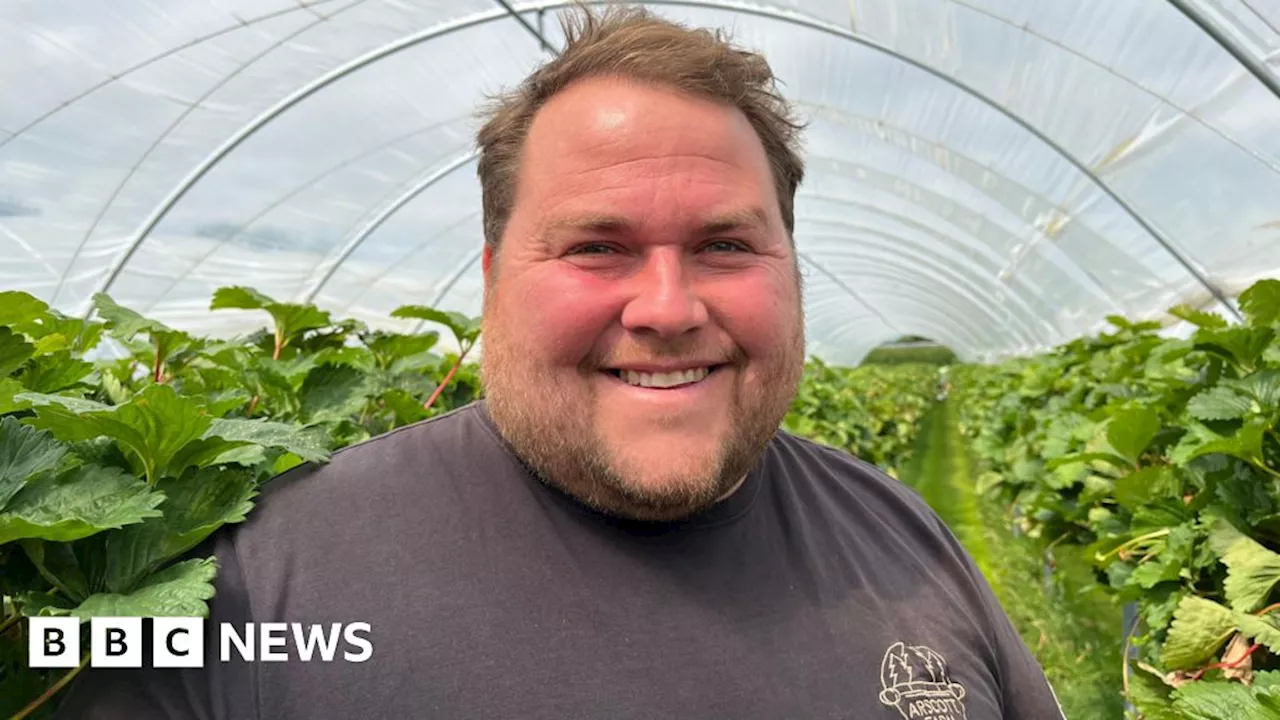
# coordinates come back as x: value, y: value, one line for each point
x: 620, y: 529
x: 643, y: 330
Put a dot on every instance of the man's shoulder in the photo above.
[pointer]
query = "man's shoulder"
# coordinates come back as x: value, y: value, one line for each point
x: 839, y: 482
x: 834, y: 465
x: 382, y: 458
x: 388, y: 473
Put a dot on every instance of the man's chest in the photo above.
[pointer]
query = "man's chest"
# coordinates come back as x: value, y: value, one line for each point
x: 575, y: 646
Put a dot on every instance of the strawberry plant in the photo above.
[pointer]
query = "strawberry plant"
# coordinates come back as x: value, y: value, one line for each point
x: 1158, y: 460
x: 113, y: 469
x: 872, y: 411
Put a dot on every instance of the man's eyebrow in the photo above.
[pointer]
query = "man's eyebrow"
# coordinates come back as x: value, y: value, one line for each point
x: 605, y: 224
x: 735, y: 220
x: 752, y: 218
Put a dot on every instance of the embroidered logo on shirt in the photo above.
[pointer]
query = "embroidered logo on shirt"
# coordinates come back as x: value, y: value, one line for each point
x: 915, y: 680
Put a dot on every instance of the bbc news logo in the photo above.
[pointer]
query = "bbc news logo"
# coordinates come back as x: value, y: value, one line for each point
x: 178, y: 642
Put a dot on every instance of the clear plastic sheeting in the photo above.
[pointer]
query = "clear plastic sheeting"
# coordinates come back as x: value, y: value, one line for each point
x: 998, y: 175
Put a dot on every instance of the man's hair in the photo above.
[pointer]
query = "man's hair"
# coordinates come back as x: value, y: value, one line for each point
x: 632, y: 43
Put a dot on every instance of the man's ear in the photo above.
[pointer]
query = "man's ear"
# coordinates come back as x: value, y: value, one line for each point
x: 486, y: 258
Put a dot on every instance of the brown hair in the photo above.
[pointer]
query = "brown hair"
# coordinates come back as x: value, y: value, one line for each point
x: 633, y: 43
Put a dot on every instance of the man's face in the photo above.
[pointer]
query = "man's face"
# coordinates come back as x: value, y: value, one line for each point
x: 643, y: 331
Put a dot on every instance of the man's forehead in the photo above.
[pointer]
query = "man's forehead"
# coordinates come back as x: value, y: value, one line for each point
x: 615, y: 115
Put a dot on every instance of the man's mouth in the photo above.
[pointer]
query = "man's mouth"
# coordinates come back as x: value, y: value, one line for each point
x: 663, y: 380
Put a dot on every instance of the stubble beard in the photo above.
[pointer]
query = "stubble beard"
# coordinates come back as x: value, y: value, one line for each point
x: 551, y: 430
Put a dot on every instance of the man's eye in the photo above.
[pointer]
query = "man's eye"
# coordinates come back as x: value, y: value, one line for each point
x: 725, y: 246
x: 591, y: 249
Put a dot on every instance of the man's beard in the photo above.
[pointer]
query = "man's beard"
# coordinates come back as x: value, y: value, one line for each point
x: 552, y: 433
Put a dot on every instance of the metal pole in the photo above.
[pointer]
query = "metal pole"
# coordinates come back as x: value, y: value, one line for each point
x: 358, y: 237
x: 246, y: 131
x: 1251, y: 62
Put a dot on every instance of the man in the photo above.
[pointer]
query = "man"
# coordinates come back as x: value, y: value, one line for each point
x: 620, y: 530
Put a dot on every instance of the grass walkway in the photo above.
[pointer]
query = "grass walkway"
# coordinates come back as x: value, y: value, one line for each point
x: 942, y: 475
x: 1070, y: 626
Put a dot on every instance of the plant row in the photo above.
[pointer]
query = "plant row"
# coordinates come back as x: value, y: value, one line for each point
x: 1156, y: 458
x: 872, y: 411
x: 124, y: 443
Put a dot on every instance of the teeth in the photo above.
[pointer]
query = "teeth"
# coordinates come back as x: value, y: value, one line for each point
x: 664, y: 380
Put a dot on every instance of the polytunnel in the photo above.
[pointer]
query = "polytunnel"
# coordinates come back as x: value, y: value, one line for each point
x: 998, y: 175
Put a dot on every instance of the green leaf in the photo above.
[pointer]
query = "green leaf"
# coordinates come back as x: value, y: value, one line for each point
x: 1219, y: 403
x: 1088, y: 457
x: 1263, y: 386
x: 1131, y: 431
x: 1151, y: 697
x: 196, y: 506
x: 177, y: 591
x: 1197, y: 317
x: 123, y: 322
x: 1224, y: 701
x: 1252, y: 570
x: 1199, y: 441
x: 14, y: 351
x: 9, y: 390
x: 45, y: 604
x: 1159, y: 605
x: 24, y: 452
x: 333, y: 392
x: 1140, y: 487
x: 388, y: 347
x: 465, y: 330
x: 1261, y: 302
x: 1241, y: 344
x: 1271, y: 355
x: 77, y: 503
x: 1261, y: 630
x: 52, y: 343
x: 153, y: 426
x: 406, y: 408
x: 62, y: 423
x: 74, y: 405
x: 356, y: 357
x: 82, y: 335
x: 55, y: 371
x: 115, y: 390
x: 308, y: 443
x: 1198, y: 629
x: 1169, y: 563
x: 243, y: 298
x: 17, y: 307
x: 221, y: 402
x: 292, y: 319
x: 59, y: 565
x: 202, y: 452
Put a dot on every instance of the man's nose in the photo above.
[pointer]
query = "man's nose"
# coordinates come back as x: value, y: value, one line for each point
x: 664, y: 300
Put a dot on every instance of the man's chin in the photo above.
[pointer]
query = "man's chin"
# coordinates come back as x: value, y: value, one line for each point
x: 675, y: 487
x: 659, y: 485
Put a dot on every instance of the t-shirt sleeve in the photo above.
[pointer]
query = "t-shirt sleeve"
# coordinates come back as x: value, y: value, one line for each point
x: 217, y: 691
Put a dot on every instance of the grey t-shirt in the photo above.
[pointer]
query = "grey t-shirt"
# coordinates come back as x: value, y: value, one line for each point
x: 820, y: 589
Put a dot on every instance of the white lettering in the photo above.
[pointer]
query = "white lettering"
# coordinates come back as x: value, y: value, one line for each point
x: 244, y: 645
x: 360, y: 642
x: 328, y: 643
x: 273, y: 635
x: 934, y: 709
